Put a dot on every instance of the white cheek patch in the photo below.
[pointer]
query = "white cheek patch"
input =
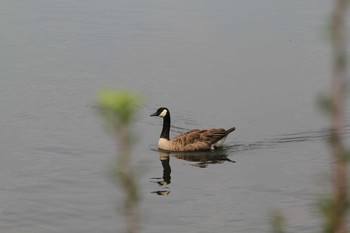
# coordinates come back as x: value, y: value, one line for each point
x: 163, y: 113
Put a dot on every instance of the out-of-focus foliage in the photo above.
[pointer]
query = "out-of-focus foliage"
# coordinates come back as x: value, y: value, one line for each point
x: 277, y: 222
x: 118, y: 107
x: 325, y: 103
x: 334, y: 208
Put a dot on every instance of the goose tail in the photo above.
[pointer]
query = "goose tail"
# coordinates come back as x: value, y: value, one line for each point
x: 230, y: 130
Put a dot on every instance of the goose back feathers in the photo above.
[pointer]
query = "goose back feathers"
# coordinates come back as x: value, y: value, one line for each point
x: 193, y: 140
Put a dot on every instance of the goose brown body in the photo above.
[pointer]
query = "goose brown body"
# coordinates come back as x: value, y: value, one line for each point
x: 193, y: 140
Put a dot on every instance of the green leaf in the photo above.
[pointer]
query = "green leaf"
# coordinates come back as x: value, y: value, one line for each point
x: 118, y: 106
x: 325, y: 103
x: 278, y: 222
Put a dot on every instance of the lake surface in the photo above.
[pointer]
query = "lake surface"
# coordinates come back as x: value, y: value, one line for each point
x: 255, y: 65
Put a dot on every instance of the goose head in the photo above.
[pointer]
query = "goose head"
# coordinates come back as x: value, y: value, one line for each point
x: 161, y: 112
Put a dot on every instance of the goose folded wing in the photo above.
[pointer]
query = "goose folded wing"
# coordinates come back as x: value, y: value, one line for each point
x: 198, y: 139
x: 213, y: 135
x: 187, y: 137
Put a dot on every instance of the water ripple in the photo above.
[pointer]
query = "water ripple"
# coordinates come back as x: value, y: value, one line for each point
x: 286, y: 139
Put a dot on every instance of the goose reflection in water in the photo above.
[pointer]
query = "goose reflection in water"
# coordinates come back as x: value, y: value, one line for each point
x: 201, y: 159
x: 204, y: 158
x: 165, y: 160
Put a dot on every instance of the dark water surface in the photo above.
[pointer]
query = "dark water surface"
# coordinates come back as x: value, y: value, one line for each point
x: 255, y: 65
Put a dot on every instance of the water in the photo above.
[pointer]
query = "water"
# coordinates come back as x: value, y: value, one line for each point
x: 255, y: 65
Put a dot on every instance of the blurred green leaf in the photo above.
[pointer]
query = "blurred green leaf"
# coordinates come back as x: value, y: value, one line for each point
x: 325, y: 103
x: 118, y: 107
x: 278, y: 222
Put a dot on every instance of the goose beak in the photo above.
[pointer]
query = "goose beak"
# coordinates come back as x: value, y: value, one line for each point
x: 154, y: 114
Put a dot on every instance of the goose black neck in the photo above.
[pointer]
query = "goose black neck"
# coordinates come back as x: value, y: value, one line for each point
x: 166, y: 127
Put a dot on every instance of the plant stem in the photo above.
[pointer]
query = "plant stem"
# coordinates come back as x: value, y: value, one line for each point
x: 127, y: 180
x: 338, y: 89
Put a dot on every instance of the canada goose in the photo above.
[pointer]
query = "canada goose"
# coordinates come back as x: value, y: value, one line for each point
x: 193, y: 140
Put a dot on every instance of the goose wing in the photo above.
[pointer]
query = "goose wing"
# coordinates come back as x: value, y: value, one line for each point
x: 197, y: 139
